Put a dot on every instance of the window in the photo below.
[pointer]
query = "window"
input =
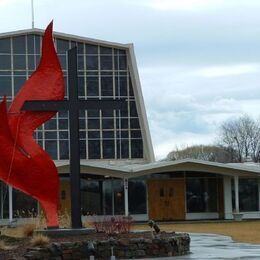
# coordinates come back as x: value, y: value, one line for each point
x: 91, y: 197
x: 108, y: 149
x: 19, y: 45
x: 119, y: 200
x: 5, y: 86
x: 5, y: 45
x: 91, y: 49
x: 94, y: 149
x: 105, y: 50
x: 136, y: 148
x: 51, y: 149
x: 137, y: 196
x: 62, y: 46
x: 107, y: 199
x: 81, y: 86
x: 31, y: 62
x: 82, y: 149
x: 51, y: 124
x: 4, y: 198
x: 92, y: 86
x: 201, y: 195
x: 108, y: 123
x: 80, y: 62
x: 248, y: 195
x: 107, y: 86
x: 24, y: 206
x: 64, y: 149
x: 5, y: 62
x: 51, y: 135
x: 92, y: 62
x: 93, y: 124
x: 106, y: 62
x: 19, y: 62
x: 30, y: 44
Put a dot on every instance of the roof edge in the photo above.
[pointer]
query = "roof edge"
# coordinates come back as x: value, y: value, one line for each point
x: 66, y: 36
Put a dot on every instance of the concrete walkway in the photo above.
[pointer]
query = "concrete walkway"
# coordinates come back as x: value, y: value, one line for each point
x: 217, y: 247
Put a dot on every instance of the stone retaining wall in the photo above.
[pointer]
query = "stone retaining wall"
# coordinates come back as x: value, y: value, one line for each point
x: 175, y: 245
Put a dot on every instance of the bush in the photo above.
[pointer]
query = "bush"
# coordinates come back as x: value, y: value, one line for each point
x: 39, y: 240
x: 113, y: 225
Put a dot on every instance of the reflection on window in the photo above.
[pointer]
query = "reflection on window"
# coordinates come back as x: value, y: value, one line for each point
x: 201, y: 194
x: 4, y: 198
x: 248, y: 195
x: 91, y: 197
x: 119, y: 200
x: 24, y: 206
x: 137, y: 196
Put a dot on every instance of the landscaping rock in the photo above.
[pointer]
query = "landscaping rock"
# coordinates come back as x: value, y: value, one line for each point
x: 168, y: 245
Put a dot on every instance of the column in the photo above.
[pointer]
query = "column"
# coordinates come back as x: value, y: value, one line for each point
x: 236, y: 193
x: 126, y: 196
x: 227, y: 198
x: 10, y: 193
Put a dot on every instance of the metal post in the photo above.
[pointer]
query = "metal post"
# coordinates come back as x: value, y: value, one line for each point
x: 10, y: 196
x: 32, y: 6
x: 236, y: 193
x: 126, y: 196
x: 74, y: 140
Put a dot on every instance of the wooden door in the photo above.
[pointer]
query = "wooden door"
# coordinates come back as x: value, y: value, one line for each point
x: 166, y: 199
x: 65, y: 197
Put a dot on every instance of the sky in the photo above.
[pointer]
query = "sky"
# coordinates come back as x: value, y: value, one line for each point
x: 198, y: 60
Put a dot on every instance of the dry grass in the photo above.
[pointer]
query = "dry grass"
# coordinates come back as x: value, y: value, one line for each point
x: 245, y: 231
x: 4, y: 247
x: 39, y: 240
x: 28, y: 230
x: 64, y: 219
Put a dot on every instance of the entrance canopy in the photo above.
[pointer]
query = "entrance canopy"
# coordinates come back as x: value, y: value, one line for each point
x: 111, y: 169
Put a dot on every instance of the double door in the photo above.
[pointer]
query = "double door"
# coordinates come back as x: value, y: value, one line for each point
x: 166, y: 199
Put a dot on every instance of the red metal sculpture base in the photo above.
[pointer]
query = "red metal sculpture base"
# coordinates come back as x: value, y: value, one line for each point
x: 23, y: 163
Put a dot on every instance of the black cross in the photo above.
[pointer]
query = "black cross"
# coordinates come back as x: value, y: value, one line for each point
x: 73, y: 105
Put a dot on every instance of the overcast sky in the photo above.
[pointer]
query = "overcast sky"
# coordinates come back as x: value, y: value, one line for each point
x: 199, y: 60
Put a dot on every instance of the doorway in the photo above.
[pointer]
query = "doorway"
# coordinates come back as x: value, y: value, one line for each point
x: 166, y: 199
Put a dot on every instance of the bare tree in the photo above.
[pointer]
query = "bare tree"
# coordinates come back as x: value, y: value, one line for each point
x: 243, y: 136
x: 203, y: 152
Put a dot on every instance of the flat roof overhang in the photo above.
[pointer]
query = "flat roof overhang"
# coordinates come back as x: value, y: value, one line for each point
x: 134, y: 171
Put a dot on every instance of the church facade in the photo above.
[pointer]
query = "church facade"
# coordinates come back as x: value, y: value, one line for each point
x: 119, y: 175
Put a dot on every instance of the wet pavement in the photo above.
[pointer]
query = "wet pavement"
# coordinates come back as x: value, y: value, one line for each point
x: 217, y: 247
x: 211, y: 246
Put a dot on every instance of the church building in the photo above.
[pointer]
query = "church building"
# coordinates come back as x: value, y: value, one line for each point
x: 119, y: 174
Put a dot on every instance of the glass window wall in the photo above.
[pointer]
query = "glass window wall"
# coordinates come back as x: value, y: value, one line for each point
x: 201, y: 195
x: 248, y: 195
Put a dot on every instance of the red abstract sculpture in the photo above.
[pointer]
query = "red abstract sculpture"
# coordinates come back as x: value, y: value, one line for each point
x: 23, y: 163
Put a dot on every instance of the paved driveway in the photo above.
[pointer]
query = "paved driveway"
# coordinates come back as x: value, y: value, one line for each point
x: 217, y: 247
x: 210, y: 246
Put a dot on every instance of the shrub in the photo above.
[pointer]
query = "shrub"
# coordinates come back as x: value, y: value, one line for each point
x: 113, y: 225
x: 39, y: 240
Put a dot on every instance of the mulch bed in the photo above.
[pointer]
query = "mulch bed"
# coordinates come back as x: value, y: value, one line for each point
x: 19, y: 245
